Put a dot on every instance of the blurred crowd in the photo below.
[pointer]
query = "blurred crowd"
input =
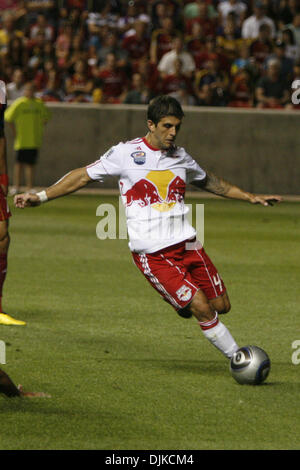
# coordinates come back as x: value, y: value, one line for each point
x: 241, y: 53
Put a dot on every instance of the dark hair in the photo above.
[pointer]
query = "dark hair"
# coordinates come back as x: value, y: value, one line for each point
x: 162, y: 106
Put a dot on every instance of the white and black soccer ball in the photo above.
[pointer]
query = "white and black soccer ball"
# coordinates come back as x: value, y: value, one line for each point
x: 250, y: 365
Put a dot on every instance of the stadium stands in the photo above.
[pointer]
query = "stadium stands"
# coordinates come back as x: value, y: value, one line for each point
x: 118, y: 51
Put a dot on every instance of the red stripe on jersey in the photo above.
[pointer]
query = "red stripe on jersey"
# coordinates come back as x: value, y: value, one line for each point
x: 138, y: 140
x: 149, y: 145
x: 93, y: 164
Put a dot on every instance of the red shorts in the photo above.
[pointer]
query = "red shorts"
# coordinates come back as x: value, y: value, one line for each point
x: 4, y: 209
x: 178, y: 273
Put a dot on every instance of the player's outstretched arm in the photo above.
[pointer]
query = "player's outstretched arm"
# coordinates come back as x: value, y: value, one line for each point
x: 8, y: 388
x: 69, y: 183
x: 218, y: 186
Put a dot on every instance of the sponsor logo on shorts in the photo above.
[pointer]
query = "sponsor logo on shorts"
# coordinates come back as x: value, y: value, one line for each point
x: 184, y: 293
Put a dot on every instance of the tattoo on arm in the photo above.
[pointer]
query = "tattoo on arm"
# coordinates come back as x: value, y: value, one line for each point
x: 215, y: 185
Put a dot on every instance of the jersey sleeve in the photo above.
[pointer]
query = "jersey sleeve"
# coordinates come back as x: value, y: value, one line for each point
x: 194, y: 171
x: 109, y: 164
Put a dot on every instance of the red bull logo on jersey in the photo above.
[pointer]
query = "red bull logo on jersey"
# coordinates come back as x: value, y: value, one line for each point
x: 159, y: 189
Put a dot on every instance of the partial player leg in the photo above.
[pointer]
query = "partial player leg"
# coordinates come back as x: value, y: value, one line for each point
x: 4, y: 245
x: 215, y: 331
x: 17, y: 175
x: 210, y: 300
x: 29, y: 176
x: 221, y: 304
x: 169, y: 277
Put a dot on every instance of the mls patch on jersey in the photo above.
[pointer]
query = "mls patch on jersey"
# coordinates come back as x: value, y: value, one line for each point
x: 139, y: 157
x: 184, y: 293
x: 2, y: 92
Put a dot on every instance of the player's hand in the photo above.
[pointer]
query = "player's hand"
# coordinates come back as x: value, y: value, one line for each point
x: 26, y: 200
x: 265, y: 200
x: 8, y: 388
x: 32, y: 394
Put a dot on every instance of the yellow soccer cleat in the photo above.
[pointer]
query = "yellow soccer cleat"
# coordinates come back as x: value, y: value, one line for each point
x: 7, y: 320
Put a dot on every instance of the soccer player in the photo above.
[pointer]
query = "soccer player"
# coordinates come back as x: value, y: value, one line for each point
x: 153, y: 173
x: 4, y: 210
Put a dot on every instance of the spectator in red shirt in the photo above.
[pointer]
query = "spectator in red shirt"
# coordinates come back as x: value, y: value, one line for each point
x: 78, y: 4
x: 150, y: 77
x: 137, y: 45
x: 162, y: 40
x: 195, y: 44
x: 172, y: 82
x: 42, y: 75
x: 208, y: 24
x: 63, y: 45
x: 211, y: 51
x: 241, y: 93
x: 262, y: 47
x: 8, y: 5
x: 79, y: 86
x: 114, y: 81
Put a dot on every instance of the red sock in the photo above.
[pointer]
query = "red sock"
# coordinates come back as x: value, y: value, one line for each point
x: 3, y: 269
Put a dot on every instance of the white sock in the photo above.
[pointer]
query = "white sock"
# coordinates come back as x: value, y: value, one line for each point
x: 217, y: 333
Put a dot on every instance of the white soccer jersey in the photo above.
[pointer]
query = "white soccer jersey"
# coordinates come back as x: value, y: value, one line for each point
x: 152, y: 185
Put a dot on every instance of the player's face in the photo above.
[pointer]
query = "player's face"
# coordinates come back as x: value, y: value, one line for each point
x: 164, y: 133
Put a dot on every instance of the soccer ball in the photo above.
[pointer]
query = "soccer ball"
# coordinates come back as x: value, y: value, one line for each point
x: 250, y: 365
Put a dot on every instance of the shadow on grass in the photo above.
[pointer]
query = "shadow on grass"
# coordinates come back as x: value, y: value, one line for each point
x: 194, y: 367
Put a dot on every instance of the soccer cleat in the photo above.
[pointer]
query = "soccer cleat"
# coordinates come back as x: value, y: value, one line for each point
x: 7, y: 320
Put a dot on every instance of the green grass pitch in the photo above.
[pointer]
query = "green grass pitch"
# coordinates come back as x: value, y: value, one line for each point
x: 123, y: 369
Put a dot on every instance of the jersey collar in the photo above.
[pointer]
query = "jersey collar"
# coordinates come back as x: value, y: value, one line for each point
x: 150, y: 146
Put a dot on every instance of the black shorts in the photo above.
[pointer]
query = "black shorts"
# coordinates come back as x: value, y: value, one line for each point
x: 28, y: 156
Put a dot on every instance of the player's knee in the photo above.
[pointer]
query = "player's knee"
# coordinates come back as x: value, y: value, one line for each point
x: 221, y: 304
x: 201, y: 309
x: 225, y: 307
